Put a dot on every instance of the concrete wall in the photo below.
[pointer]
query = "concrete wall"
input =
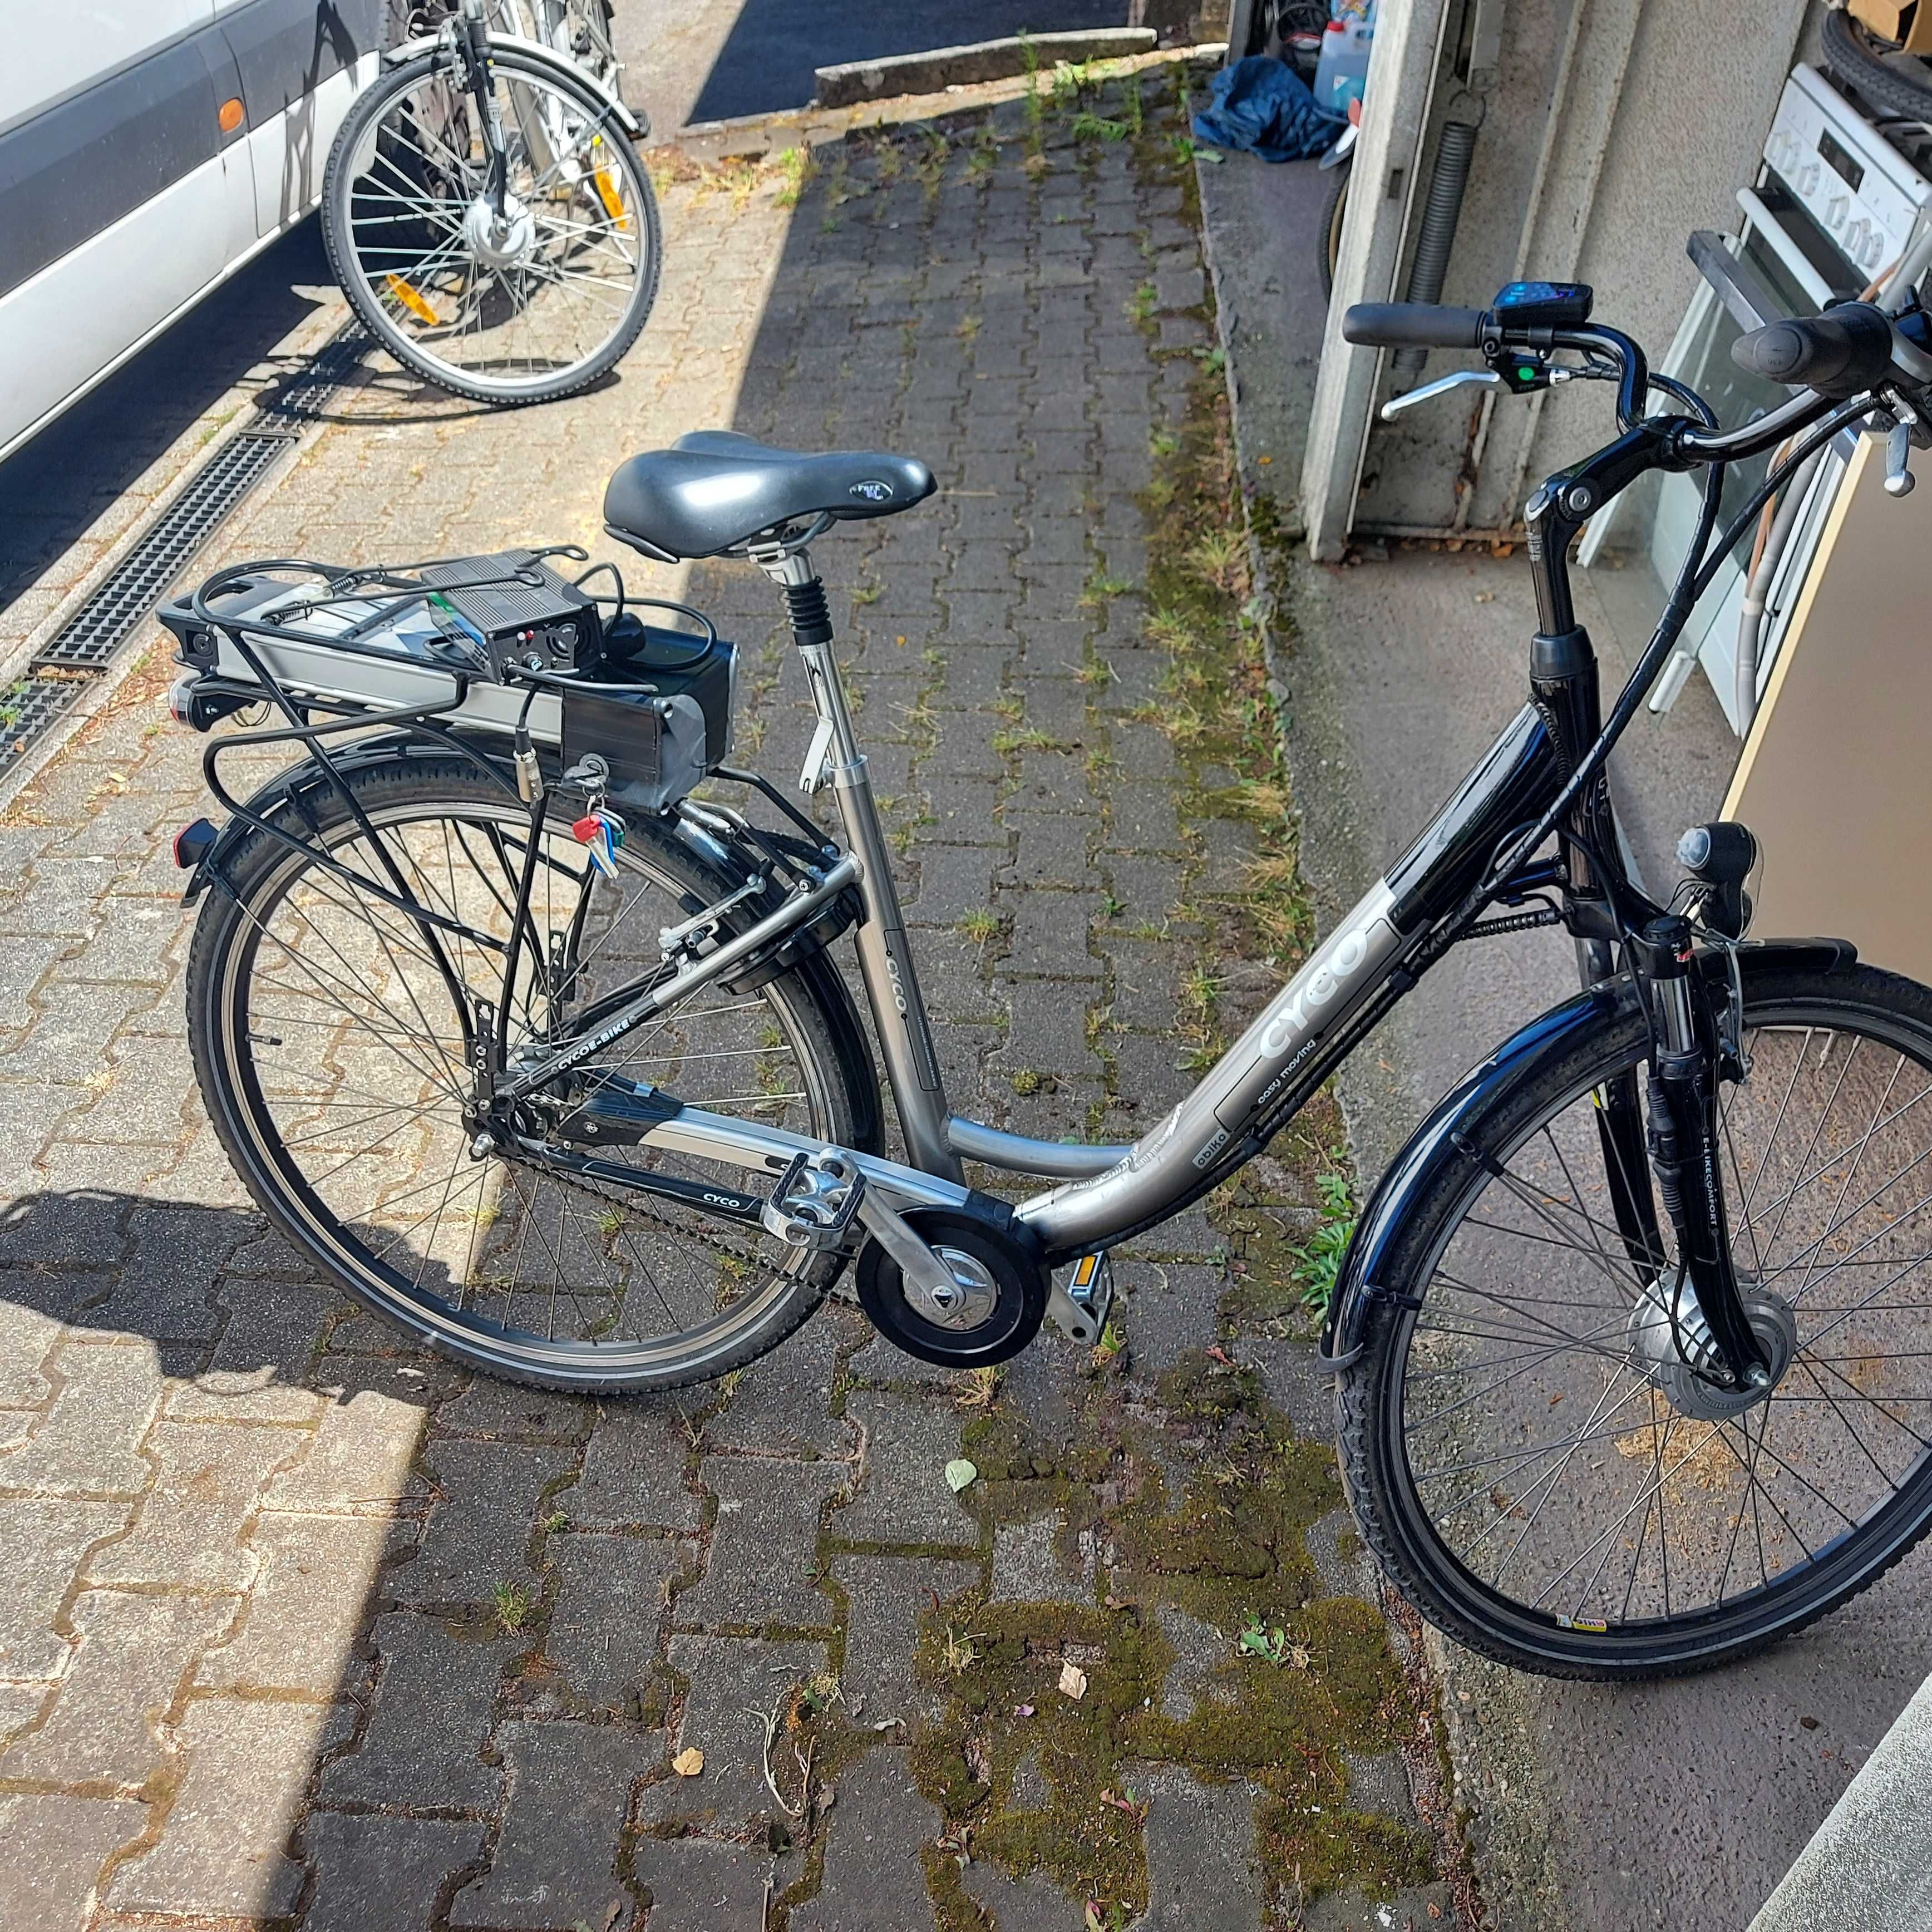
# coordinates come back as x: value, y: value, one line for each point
x: 1614, y: 132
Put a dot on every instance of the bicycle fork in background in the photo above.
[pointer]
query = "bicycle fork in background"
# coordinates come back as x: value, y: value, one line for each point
x: 471, y: 34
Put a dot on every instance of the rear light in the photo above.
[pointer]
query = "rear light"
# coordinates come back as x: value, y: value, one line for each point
x: 180, y: 699
x: 193, y: 844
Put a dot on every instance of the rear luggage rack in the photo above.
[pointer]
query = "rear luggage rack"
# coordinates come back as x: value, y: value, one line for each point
x: 496, y: 646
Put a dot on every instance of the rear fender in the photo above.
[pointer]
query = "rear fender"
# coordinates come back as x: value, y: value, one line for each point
x: 1435, y: 1143
x: 295, y: 787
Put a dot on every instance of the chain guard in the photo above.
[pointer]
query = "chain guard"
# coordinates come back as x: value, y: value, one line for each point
x: 1008, y: 1258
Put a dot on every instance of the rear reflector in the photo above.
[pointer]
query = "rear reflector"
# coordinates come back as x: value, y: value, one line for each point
x: 193, y: 844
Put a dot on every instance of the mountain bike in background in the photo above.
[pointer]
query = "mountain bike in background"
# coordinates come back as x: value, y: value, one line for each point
x: 485, y: 210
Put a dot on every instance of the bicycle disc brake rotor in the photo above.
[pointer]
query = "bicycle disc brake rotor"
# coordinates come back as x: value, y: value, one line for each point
x: 1670, y: 1341
x: 998, y: 1300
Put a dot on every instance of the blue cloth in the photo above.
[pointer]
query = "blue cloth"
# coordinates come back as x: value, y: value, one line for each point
x: 1262, y: 106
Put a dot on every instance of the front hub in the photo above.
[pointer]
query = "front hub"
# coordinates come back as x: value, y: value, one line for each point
x: 499, y: 241
x: 1671, y: 1342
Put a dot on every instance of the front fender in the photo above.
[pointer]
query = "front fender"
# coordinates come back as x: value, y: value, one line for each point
x: 633, y: 124
x: 1434, y: 1143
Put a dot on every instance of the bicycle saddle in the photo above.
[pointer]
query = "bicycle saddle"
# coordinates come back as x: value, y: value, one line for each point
x: 714, y: 489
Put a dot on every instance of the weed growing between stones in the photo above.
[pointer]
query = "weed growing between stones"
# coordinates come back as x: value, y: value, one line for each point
x: 1250, y: 927
x: 1193, y: 1497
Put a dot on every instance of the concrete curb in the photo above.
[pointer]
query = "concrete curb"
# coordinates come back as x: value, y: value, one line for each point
x: 853, y: 82
x: 1868, y: 1868
x: 750, y: 135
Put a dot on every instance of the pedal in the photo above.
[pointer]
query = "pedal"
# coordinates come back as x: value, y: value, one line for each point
x: 814, y: 1200
x: 1079, y: 1310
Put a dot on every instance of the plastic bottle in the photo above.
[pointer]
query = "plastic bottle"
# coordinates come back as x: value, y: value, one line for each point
x: 1341, y: 70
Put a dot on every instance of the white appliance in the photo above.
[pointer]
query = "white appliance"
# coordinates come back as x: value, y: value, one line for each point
x: 1834, y: 206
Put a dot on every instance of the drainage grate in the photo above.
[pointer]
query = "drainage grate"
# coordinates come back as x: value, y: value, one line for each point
x: 85, y: 645
x: 31, y: 708
x: 134, y: 585
x: 312, y: 388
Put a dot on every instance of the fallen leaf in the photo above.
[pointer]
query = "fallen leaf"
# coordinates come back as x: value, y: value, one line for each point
x: 1219, y: 1353
x: 688, y: 1763
x: 1073, y: 1681
x: 961, y: 1475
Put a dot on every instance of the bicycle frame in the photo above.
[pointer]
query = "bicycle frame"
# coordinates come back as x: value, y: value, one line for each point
x: 1544, y: 771
x: 1107, y: 1192
x: 1543, y: 774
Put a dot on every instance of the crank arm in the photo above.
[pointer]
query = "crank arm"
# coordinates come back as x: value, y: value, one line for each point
x: 929, y: 1285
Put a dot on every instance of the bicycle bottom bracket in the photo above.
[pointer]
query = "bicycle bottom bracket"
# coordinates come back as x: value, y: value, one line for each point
x: 1671, y: 1342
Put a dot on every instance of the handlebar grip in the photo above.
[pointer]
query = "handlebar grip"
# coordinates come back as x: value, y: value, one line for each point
x: 1846, y: 349
x: 1414, y: 325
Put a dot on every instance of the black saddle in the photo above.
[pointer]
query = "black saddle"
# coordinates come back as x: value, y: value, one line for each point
x: 714, y: 489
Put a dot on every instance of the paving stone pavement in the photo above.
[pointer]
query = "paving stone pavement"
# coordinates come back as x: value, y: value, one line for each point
x: 250, y: 1544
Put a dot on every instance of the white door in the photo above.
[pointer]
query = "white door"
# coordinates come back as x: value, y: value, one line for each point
x: 302, y: 62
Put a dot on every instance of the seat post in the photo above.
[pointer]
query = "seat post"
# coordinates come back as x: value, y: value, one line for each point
x: 885, y: 952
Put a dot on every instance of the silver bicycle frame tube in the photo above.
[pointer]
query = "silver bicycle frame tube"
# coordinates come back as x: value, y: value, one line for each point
x: 885, y: 955
x: 1163, y: 1166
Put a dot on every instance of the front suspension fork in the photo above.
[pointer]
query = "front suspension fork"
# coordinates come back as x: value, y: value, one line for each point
x: 1684, y: 1141
x: 472, y: 41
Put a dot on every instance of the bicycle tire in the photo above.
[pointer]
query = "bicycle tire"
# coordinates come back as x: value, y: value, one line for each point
x: 1403, y: 1531
x: 357, y: 279
x: 1850, y: 52
x: 1328, y: 230
x: 260, y: 876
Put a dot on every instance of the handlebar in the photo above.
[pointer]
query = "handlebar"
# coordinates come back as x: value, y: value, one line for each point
x: 1847, y: 349
x: 1851, y: 348
x: 1414, y: 326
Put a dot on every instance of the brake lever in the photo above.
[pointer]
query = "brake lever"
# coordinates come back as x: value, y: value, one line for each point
x: 1899, y: 480
x: 1487, y: 378
x: 1530, y: 375
x: 1903, y: 425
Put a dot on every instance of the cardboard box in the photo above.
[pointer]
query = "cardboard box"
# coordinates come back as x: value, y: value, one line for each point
x: 1909, y: 23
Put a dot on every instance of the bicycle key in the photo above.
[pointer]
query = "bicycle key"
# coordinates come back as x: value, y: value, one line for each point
x: 600, y: 837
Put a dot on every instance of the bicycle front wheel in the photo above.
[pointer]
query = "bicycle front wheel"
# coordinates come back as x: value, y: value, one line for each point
x: 520, y: 296
x: 329, y: 1047
x: 1552, y: 1485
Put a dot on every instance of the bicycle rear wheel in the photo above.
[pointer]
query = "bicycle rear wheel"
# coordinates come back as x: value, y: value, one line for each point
x: 1554, y: 1489
x: 329, y: 1049
x: 524, y: 304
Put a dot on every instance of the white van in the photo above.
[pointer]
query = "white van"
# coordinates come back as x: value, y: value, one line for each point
x: 148, y: 148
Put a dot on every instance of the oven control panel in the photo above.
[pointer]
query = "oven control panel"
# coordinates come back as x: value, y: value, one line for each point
x: 1853, y: 183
